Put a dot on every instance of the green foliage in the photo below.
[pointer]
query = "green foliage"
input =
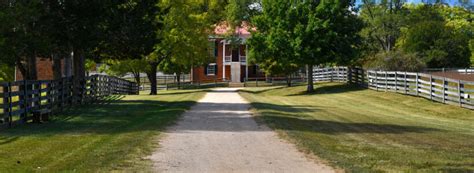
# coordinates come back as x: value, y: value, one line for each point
x: 437, y: 43
x: 395, y: 61
x: 269, y: 45
x: 438, y: 35
x: 122, y: 67
x: 296, y: 33
x: 382, y: 24
x: 7, y: 73
x: 184, y: 36
x: 237, y: 11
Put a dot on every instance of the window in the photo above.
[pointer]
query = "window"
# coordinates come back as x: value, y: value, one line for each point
x: 211, y: 69
x: 213, y: 45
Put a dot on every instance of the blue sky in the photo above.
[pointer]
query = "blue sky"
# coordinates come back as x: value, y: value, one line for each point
x: 451, y: 2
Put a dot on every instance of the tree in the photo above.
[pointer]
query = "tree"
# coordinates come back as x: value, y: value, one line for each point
x: 184, y: 45
x: 306, y: 32
x: 23, y: 35
x: 328, y: 33
x: 132, y: 32
x: 396, y: 61
x: 436, y: 42
x: 383, y: 22
x: 269, y: 45
x: 123, y: 67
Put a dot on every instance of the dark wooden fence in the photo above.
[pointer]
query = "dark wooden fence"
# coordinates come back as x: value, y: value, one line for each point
x: 272, y: 81
x: 20, y: 99
x: 432, y: 87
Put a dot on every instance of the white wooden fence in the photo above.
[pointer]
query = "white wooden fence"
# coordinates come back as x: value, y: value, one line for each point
x: 332, y: 74
x: 435, y: 88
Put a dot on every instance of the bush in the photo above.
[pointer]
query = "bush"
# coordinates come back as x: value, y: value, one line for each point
x: 395, y: 61
x: 7, y: 73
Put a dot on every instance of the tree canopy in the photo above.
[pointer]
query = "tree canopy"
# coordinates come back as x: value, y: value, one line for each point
x: 292, y: 33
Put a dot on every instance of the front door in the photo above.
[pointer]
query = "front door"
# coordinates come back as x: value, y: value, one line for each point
x: 235, y: 72
x: 235, y: 55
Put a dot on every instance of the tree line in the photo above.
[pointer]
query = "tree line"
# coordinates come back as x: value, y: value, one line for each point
x: 386, y: 35
x: 134, y: 36
x: 150, y: 33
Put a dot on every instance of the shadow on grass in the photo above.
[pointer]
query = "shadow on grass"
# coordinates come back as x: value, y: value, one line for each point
x: 331, y: 89
x: 334, y: 127
x: 113, y: 117
x: 261, y: 90
x: 286, y: 117
x: 128, y: 116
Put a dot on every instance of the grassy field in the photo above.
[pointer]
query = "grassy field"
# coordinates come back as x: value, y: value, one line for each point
x: 364, y: 130
x: 95, y: 138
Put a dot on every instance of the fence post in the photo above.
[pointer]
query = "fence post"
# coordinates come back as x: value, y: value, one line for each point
x: 349, y: 75
x: 376, y: 80
x: 460, y: 92
x: 25, y: 103
x: 396, y: 81
x: 431, y: 87
x: 7, y: 117
x: 405, y: 80
x: 386, y: 81
x: 444, y: 90
x: 416, y: 84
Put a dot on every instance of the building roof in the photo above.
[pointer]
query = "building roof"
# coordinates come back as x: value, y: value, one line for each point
x: 242, y: 31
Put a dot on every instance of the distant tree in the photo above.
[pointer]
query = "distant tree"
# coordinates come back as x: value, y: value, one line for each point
x: 123, y: 67
x: 436, y: 42
x: 383, y: 22
x: 395, y: 61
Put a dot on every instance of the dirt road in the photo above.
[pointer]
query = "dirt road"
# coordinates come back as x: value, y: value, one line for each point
x: 219, y: 135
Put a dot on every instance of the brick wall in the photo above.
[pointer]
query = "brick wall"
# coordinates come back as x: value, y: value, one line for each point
x: 44, y: 66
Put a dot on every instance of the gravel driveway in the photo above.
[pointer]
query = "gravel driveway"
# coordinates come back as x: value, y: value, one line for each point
x: 219, y: 135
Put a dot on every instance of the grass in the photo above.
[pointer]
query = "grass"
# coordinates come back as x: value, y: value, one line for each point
x: 363, y: 130
x: 114, y: 136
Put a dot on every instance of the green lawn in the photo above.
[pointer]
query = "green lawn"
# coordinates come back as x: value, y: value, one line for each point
x: 364, y: 130
x: 117, y: 135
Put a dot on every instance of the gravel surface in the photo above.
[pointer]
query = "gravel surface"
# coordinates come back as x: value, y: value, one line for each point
x: 219, y: 135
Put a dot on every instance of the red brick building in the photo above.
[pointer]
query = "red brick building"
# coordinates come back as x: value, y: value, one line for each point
x: 230, y: 60
x: 44, y: 66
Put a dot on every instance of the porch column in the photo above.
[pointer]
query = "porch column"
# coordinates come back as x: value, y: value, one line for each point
x: 223, y: 61
x: 246, y: 62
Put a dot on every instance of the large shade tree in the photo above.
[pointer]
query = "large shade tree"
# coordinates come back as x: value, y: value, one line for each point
x: 308, y: 32
x: 131, y: 28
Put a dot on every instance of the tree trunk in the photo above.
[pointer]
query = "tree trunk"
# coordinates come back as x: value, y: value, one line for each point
x: 79, y: 75
x: 137, y: 78
x: 152, y: 77
x: 288, y: 80
x: 21, y: 68
x: 310, y: 87
x: 178, y: 78
x: 31, y: 63
x: 57, y: 74
x: 68, y: 65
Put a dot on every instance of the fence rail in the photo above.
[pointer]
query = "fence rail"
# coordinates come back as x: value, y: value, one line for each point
x: 333, y: 74
x: 272, y: 81
x: 432, y: 87
x: 20, y: 99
